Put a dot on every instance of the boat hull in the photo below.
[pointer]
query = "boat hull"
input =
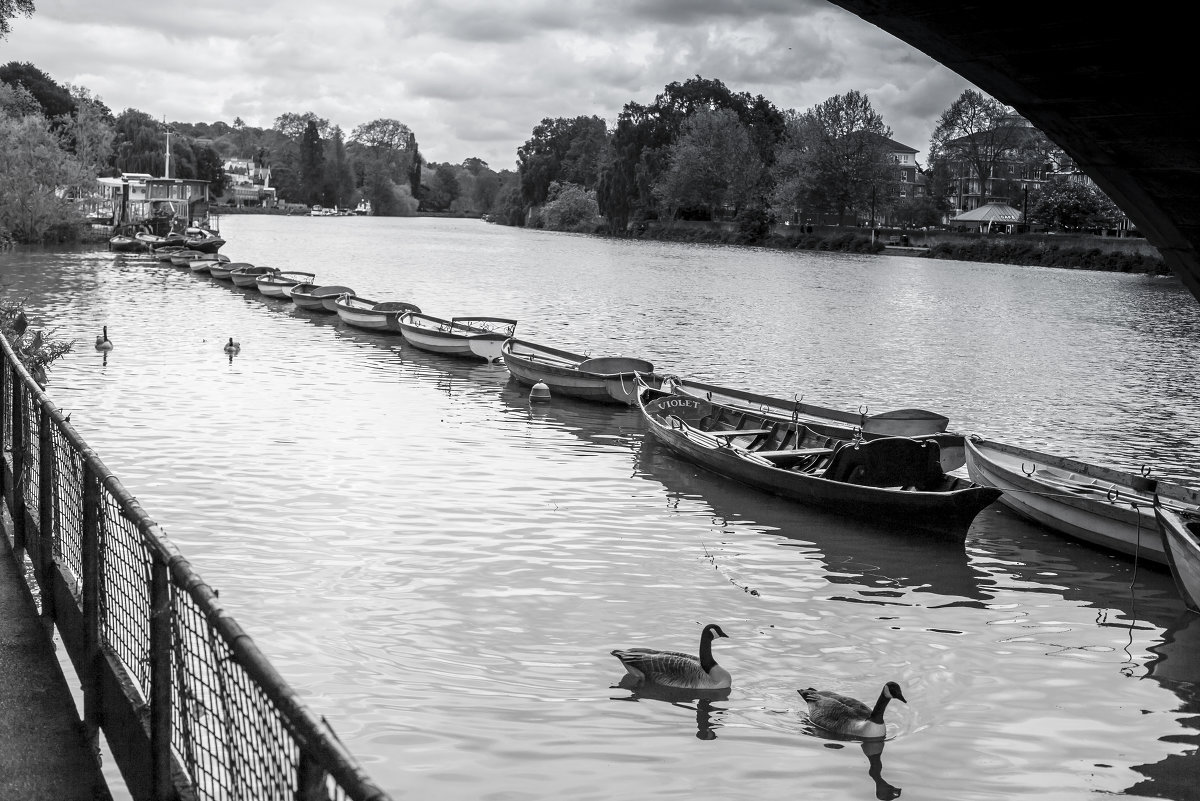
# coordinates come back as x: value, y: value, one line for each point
x: 455, y: 337
x: 1180, y: 532
x: 371, y: 316
x: 565, y: 373
x: 1096, y: 505
x: 247, y: 277
x: 941, y: 513
x: 318, y: 298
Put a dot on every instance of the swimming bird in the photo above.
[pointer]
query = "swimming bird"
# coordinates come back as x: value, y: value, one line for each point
x: 674, y: 669
x: 844, y: 715
x: 103, y: 342
x: 233, y: 347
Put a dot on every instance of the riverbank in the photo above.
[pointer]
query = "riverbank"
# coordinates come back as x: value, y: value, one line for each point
x: 1064, y: 251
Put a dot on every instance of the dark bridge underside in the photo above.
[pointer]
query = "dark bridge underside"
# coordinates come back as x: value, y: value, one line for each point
x: 1111, y: 85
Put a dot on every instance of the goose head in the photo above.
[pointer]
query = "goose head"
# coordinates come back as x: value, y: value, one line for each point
x: 891, y: 690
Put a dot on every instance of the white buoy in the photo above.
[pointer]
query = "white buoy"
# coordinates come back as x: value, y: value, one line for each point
x: 540, y: 392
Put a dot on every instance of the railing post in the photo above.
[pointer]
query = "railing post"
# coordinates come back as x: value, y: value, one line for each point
x: 92, y: 581
x: 17, y: 502
x: 5, y: 372
x: 161, y: 612
x: 310, y: 779
x: 47, y: 479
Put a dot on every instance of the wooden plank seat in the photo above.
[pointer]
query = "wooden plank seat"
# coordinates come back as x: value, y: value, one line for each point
x: 749, y: 432
x: 796, y: 452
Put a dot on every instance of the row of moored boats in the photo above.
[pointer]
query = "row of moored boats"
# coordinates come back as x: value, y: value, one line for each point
x: 900, y: 467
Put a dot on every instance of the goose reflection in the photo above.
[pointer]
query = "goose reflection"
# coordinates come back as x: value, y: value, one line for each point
x: 874, y: 753
x: 873, y: 750
x: 707, y: 715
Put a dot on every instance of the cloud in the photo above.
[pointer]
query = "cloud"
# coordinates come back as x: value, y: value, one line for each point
x: 470, y: 77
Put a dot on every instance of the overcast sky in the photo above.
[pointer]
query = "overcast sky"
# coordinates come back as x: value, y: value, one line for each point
x: 469, y: 77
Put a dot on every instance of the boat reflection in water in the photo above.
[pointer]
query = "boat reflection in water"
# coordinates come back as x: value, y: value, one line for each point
x: 889, y: 562
x: 1176, y: 666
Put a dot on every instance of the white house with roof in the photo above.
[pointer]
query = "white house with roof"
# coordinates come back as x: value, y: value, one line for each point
x: 249, y: 183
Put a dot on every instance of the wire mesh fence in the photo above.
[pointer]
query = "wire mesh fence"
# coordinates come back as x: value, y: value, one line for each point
x: 194, y: 707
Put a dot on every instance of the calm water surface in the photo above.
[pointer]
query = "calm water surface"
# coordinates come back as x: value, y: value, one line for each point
x: 442, y: 569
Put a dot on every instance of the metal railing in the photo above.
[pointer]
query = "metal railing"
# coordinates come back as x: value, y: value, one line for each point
x: 189, y: 706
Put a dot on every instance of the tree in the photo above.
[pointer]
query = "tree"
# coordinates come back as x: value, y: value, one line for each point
x: 1066, y: 204
x: 570, y: 207
x: 712, y: 164
x: 563, y: 150
x: 977, y: 136
x: 339, y: 180
x: 55, y: 100
x: 639, y: 151
x: 16, y: 101
x: 836, y: 159
x: 10, y: 9
x: 382, y: 133
x: 138, y: 143
x: 33, y: 169
x: 294, y: 125
x: 312, y: 164
x: 386, y: 160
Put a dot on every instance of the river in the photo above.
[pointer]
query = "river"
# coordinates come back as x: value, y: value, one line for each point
x: 441, y: 569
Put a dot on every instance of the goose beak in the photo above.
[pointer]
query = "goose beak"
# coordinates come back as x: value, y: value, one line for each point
x: 899, y: 696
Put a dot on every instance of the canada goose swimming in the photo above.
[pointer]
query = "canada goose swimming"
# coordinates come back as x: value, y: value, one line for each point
x: 674, y: 669
x: 103, y: 342
x: 233, y: 347
x: 844, y: 715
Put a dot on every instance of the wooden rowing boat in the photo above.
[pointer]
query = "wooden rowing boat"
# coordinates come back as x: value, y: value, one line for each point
x: 1099, y: 505
x: 916, y: 423
x: 893, y: 480
x: 222, y: 270
x: 205, y: 263
x: 276, y: 284
x: 247, y: 276
x: 1177, y: 510
x: 572, y: 374
x: 371, y: 315
x: 896, y: 423
x: 313, y: 297
x: 480, y: 337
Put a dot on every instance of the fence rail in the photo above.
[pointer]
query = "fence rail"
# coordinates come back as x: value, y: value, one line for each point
x: 190, y: 707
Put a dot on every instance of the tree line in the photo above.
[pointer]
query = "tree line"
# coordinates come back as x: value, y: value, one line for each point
x: 701, y: 151
x: 56, y: 139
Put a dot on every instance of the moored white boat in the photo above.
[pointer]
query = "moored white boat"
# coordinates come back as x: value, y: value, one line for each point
x: 1099, y: 505
x: 222, y: 270
x: 371, y: 315
x: 247, y: 275
x: 480, y: 337
x: 314, y: 297
x: 276, y: 284
x: 205, y: 264
x: 571, y: 374
x: 184, y: 258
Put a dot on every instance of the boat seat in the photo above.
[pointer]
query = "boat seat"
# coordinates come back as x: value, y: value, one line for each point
x: 803, y: 459
x: 888, y: 462
x: 738, y: 432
